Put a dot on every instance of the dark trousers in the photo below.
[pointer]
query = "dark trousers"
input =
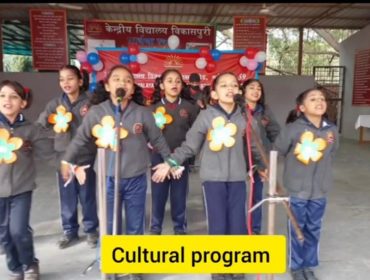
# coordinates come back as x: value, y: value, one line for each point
x: 132, y: 194
x: 257, y: 197
x: 15, y: 231
x: 309, y: 214
x: 225, y: 207
x: 69, y: 197
x: 178, y: 190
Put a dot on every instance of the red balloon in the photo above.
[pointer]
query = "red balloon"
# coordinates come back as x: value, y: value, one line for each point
x: 135, y: 67
x: 86, y: 66
x: 133, y: 49
x: 211, y: 66
x: 250, y: 53
x: 204, y: 51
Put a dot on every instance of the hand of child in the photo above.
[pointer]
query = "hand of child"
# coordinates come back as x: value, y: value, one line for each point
x: 177, y: 172
x: 264, y: 174
x: 161, y: 172
x: 80, y: 173
x: 66, y: 172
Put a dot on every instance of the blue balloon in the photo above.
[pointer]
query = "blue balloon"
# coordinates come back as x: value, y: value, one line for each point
x: 216, y: 54
x: 133, y: 58
x: 92, y: 87
x: 93, y: 58
x: 259, y: 67
x: 124, y: 58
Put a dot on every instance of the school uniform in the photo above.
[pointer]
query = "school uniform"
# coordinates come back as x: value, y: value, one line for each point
x: 134, y: 160
x: 72, y: 193
x: 222, y: 172
x: 17, y: 184
x: 308, y: 185
x: 183, y: 114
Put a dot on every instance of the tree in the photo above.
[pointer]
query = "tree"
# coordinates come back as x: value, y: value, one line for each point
x: 17, y: 63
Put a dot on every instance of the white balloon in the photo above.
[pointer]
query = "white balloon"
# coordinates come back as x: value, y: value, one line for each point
x: 173, y: 42
x: 142, y: 58
x: 201, y: 63
x: 252, y: 65
x: 99, y: 66
x: 260, y: 56
x: 243, y: 61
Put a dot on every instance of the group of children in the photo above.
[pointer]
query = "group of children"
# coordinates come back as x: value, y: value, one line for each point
x: 182, y: 122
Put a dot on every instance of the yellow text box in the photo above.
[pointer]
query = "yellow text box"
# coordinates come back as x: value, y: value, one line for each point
x: 194, y: 254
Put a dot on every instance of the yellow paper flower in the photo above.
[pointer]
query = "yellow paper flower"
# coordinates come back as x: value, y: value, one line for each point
x: 309, y: 148
x: 8, y: 146
x: 221, y: 134
x: 61, y: 119
x: 105, y: 133
x: 161, y: 118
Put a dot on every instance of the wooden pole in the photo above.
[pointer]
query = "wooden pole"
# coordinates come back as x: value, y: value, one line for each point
x: 102, y: 201
x: 272, y: 192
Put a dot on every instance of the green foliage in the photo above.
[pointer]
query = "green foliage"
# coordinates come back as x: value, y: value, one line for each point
x: 17, y: 63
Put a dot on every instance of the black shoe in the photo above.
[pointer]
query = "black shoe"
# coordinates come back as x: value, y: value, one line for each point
x: 92, y: 239
x: 218, y: 277
x: 237, y: 276
x: 67, y: 240
x: 32, y: 272
x: 308, y: 273
x: 155, y: 233
x: 135, y: 277
x: 180, y: 233
x: 298, y: 274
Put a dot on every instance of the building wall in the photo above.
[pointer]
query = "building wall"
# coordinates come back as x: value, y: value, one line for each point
x: 348, y: 48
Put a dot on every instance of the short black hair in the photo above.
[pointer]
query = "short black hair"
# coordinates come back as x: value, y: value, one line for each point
x: 194, y: 78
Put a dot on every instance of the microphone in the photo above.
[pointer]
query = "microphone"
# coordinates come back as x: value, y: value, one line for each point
x: 120, y: 94
x: 240, y: 101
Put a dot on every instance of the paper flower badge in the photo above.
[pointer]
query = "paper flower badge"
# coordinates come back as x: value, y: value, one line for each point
x: 8, y: 146
x: 309, y: 148
x: 61, y: 119
x: 161, y: 118
x: 105, y: 133
x: 221, y: 134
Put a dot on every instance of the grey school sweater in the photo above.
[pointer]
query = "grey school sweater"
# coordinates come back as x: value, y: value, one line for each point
x: 226, y: 165
x: 140, y: 124
x: 315, y: 179
x: 19, y: 177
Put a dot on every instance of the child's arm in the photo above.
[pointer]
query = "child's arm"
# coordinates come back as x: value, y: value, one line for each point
x: 49, y: 109
x: 284, y: 141
x: 43, y: 144
x: 272, y: 126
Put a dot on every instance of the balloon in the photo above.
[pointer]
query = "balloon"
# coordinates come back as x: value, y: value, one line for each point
x: 252, y: 65
x: 133, y: 49
x: 259, y: 67
x: 204, y: 51
x: 243, y: 61
x: 86, y: 66
x: 135, y: 67
x: 216, y: 54
x: 93, y: 58
x: 92, y: 87
x: 260, y: 56
x: 211, y: 66
x: 124, y: 58
x: 133, y: 58
x: 81, y: 56
x: 201, y: 63
x: 99, y: 66
x: 251, y: 52
x: 142, y: 58
x: 173, y: 42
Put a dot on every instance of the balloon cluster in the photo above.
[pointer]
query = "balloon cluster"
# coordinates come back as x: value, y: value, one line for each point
x: 253, y: 59
x: 207, y: 59
x: 90, y: 61
x: 133, y: 58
